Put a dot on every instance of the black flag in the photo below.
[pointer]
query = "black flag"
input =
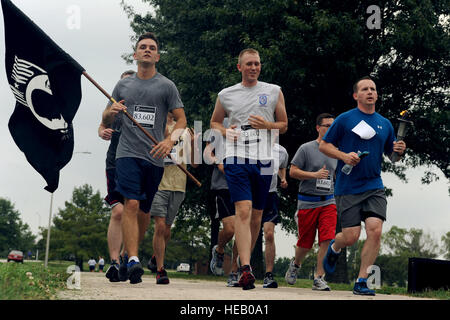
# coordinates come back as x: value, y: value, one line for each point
x: 46, y: 83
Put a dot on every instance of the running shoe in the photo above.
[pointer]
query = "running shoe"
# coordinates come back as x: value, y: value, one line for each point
x: 113, y: 272
x: 330, y: 259
x: 247, y: 279
x: 134, y: 272
x: 151, y: 265
x: 360, y: 288
x: 161, y: 277
x: 291, y: 273
x: 123, y: 268
x: 269, y: 281
x: 233, y: 280
x: 320, y: 284
x: 216, y: 264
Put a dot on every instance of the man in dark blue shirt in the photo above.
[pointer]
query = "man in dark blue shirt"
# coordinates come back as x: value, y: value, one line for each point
x: 360, y: 195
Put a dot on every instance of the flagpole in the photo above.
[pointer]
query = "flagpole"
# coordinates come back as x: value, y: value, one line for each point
x: 139, y: 126
x: 48, y: 231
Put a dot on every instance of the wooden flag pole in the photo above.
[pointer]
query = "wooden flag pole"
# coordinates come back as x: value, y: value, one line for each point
x: 140, y: 127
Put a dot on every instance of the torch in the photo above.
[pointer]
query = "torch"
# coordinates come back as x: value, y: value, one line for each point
x: 402, y: 129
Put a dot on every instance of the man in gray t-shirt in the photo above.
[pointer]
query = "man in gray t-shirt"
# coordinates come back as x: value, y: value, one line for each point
x: 316, y: 207
x: 147, y: 97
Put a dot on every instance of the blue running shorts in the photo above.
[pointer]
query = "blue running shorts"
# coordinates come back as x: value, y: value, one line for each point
x: 138, y: 179
x: 245, y: 181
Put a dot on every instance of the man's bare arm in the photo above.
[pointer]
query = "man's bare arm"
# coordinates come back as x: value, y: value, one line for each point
x: 331, y: 151
x: 110, y: 113
x: 217, y: 118
x: 104, y: 132
x: 300, y: 174
x: 164, y: 147
x: 282, y: 175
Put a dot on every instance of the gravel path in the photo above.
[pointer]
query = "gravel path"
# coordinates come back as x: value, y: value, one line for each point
x: 95, y: 286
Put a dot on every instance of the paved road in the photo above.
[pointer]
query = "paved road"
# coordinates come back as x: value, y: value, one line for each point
x: 94, y: 286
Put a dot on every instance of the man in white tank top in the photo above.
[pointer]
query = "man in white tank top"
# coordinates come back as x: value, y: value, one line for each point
x: 254, y: 109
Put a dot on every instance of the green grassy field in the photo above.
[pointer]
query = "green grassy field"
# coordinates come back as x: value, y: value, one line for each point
x: 31, y: 281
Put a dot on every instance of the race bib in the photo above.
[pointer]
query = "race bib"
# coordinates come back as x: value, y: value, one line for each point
x: 324, y: 184
x: 145, y: 116
x: 249, y: 135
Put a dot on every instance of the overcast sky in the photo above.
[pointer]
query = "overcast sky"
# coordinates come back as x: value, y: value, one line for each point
x: 103, y: 36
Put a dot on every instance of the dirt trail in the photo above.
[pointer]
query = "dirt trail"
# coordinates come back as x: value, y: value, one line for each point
x: 94, y: 286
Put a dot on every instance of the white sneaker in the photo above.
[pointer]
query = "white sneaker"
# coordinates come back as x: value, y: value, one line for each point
x: 216, y: 264
x: 233, y: 280
x: 320, y: 284
x: 291, y: 273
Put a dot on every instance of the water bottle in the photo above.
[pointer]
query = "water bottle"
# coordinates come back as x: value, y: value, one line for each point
x: 348, y: 167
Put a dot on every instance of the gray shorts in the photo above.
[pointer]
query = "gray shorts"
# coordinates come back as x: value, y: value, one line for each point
x: 354, y: 208
x: 166, y: 204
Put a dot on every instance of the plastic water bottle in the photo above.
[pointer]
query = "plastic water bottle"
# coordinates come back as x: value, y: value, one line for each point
x: 348, y: 167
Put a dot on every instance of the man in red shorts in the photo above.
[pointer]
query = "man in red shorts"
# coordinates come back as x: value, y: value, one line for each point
x: 316, y: 204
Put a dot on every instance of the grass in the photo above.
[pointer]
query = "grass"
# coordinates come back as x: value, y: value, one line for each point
x: 30, y: 281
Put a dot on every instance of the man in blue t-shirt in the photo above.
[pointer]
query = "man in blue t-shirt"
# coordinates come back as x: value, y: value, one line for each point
x: 360, y: 195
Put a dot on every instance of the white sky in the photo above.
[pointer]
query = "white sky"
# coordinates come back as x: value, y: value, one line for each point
x: 98, y: 45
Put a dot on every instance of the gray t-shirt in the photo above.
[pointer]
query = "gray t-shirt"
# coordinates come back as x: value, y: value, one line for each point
x: 309, y: 158
x: 239, y: 102
x: 281, y: 161
x: 148, y: 102
x: 218, y: 180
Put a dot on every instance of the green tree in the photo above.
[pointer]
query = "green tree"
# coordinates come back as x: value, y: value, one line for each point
x: 398, y: 245
x: 14, y: 234
x: 309, y: 265
x: 394, y: 269
x: 446, y: 248
x: 189, y: 241
x: 281, y: 265
x: 80, y: 228
x: 311, y: 48
x: 314, y: 50
x: 354, y: 259
x: 190, y: 236
x: 411, y: 243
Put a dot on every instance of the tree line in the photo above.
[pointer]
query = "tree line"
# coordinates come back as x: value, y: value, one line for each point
x: 314, y: 50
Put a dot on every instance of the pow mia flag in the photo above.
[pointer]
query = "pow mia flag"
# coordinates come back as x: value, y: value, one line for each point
x: 46, y: 83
